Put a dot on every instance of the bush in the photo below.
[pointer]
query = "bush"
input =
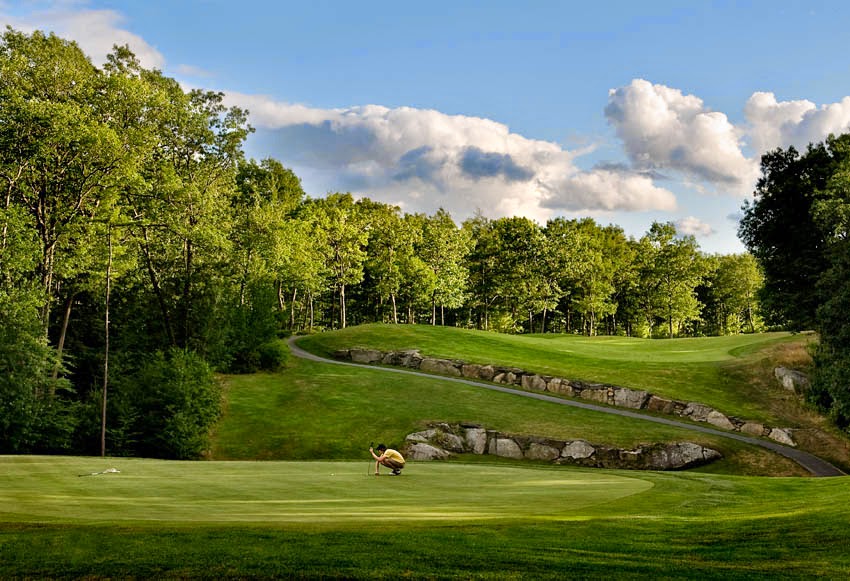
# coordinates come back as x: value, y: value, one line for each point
x: 273, y: 355
x: 176, y: 400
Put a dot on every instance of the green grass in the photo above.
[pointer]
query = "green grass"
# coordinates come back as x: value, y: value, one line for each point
x: 324, y: 411
x: 689, y: 369
x: 440, y: 520
x: 322, y: 514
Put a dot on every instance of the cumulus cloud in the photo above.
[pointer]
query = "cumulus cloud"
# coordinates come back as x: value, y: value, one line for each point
x: 662, y: 128
x: 407, y: 156
x: 95, y: 31
x: 782, y: 123
x: 693, y: 226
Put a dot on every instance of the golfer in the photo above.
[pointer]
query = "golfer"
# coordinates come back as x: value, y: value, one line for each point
x: 390, y: 458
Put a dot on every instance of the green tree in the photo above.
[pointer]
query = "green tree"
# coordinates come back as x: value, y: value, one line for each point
x: 778, y: 228
x: 443, y: 249
x: 63, y: 151
x: 670, y: 270
x: 521, y: 277
x: 340, y: 236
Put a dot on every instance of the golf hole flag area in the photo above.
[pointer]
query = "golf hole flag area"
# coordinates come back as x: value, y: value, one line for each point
x: 40, y: 489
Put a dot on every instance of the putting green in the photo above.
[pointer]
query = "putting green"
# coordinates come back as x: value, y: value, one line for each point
x: 50, y: 489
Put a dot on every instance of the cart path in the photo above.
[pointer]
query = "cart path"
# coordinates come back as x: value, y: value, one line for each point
x: 815, y: 465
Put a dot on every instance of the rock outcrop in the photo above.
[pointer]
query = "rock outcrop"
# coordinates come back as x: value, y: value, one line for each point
x: 441, y: 440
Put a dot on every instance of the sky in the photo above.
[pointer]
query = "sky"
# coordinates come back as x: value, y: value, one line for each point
x: 627, y: 112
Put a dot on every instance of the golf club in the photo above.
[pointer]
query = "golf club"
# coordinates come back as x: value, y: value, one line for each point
x: 369, y: 468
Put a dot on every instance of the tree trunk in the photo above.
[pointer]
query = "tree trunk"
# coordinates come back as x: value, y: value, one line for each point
x: 395, y: 310
x: 244, y: 282
x: 281, y: 302
x: 342, y: 306
x: 61, y: 343
x: 292, y: 308
x: 163, y: 308
x: 106, y: 345
x: 187, y: 290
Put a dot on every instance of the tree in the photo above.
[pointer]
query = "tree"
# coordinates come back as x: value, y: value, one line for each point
x: 778, y: 228
x: 671, y: 268
x: 443, y: 249
x: 340, y: 236
x: 733, y: 282
x: 390, y: 248
x: 63, y: 151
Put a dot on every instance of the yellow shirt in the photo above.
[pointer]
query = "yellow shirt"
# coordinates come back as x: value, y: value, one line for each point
x: 394, y: 455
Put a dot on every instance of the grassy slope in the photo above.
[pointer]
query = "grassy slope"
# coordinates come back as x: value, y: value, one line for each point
x: 733, y: 374
x: 692, y: 369
x: 323, y: 411
x: 216, y: 519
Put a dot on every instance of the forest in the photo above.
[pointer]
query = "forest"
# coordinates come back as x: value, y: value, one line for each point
x: 142, y: 253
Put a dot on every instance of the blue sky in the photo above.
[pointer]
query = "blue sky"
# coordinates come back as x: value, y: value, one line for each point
x: 628, y: 112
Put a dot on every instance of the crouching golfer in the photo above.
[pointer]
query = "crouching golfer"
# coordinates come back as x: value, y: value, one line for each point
x: 390, y: 458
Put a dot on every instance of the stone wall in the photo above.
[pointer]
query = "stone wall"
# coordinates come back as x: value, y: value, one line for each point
x: 596, y: 392
x: 441, y: 440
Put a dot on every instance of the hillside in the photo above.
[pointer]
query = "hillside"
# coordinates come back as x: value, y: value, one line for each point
x: 315, y: 410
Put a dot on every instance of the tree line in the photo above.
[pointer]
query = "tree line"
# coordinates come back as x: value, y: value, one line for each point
x: 141, y: 252
x: 798, y: 227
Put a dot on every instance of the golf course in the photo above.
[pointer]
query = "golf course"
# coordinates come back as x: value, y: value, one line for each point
x: 288, y: 489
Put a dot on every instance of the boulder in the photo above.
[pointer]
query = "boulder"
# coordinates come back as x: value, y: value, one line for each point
x: 412, y: 359
x: 753, y: 428
x: 782, y: 435
x: 506, y: 448
x: 660, y: 405
x: 630, y: 398
x: 471, y: 370
x: 680, y: 455
x: 715, y: 418
x: 559, y: 385
x: 487, y: 372
x: 697, y: 411
x: 595, y: 394
x: 533, y: 382
x: 342, y: 354
x: 422, y: 451
x: 366, y: 355
x: 542, y: 452
x: 441, y: 366
x: 424, y: 436
x: 476, y: 440
x: 449, y: 441
x: 791, y: 379
x: 577, y: 449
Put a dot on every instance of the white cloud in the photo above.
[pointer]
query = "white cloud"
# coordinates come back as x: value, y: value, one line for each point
x: 95, y: 31
x: 459, y: 162
x: 780, y: 124
x: 693, y: 226
x: 662, y: 128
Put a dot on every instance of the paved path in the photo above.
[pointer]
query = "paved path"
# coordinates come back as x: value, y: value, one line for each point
x: 810, y: 462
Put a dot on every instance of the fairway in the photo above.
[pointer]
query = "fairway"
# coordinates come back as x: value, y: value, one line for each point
x: 64, y: 490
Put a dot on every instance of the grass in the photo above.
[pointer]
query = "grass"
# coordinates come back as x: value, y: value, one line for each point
x: 440, y: 520
x: 310, y: 511
x: 688, y: 369
x: 322, y: 411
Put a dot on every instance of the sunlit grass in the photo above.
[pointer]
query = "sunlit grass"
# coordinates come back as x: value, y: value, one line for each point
x: 332, y: 519
x: 687, y: 369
